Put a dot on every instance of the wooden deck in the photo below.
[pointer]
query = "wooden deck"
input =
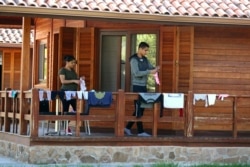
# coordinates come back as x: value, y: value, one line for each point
x: 223, y: 124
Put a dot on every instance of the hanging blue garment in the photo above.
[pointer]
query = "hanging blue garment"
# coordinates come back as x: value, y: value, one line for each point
x: 98, y: 99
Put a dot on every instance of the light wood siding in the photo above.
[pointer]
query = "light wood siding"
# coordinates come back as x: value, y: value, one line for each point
x: 221, y: 60
x: 67, y: 38
x: 86, y: 55
x: 43, y: 28
x: 185, y: 49
x: 11, y: 69
x: 167, y: 56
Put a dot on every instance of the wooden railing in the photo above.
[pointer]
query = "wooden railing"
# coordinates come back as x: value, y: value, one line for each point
x: 20, y: 114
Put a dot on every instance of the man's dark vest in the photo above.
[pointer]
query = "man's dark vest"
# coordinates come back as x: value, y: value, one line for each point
x: 142, y: 62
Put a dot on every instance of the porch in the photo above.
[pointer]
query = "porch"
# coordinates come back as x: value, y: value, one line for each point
x: 223, y: 124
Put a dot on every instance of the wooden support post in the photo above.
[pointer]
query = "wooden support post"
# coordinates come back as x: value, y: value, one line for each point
x: 7, y: 108
x: 235, y: 117
x: 34, y: 124
x: 189, y: 115
x: 78, y: 119
x: 155, y: 120
x: 25, y: 76
x: 120, y: 113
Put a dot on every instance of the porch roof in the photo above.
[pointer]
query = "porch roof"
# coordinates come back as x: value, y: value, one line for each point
x: 13, y: 36
x: 233, y: 12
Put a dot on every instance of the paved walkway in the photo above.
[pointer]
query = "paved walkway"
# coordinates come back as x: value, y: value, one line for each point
x: 8, y: 162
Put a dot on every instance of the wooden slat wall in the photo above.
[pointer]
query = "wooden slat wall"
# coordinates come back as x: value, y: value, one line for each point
x: 221, y: 60
x: 185, y: 50
x: 243, y: 114
x: 167, y: 58
x: 11, y: 69
x: 86, y: 55
x: 43, y: 27
x: 217, y: 117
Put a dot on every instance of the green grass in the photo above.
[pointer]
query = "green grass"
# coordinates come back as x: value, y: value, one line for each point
x: 135, y: 165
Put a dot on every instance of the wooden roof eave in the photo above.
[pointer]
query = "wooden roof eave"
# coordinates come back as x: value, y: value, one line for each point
x: 12, y: 45
x: 150, y: 18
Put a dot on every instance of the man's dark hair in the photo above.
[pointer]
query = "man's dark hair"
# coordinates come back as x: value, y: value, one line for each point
x: 69, y: 58
x: 143, y: 45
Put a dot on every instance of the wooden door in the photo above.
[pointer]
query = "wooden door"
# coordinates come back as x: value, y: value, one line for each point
x: 11, y: 69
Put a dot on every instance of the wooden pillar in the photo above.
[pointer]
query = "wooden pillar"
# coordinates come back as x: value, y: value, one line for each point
x: 190, y: 117
x: 34, y: 125
x: 25, y: 76
x: 120, y: 113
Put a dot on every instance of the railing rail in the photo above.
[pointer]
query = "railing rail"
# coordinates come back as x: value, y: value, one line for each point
x: 20, y: 114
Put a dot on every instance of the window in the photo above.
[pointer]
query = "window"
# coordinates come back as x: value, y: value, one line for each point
x: 42, y: 61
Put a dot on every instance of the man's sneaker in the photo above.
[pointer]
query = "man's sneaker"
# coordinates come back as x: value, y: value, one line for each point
x: 128, y: 132
x: 143, y: 134
x: 68, y: 132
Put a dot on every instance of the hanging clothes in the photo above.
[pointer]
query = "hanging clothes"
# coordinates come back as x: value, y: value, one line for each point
x: 147, y: 100
x: 98, y: 99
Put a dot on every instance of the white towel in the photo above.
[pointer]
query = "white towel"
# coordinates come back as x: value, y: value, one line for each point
x: 70, y: 94
x: 85, y: 95
x: 79, y: 94
x: 198, y: 97
x: 211, y: 99
x: 41, y: 95
x: 48, y: 95
x: 173, y: 100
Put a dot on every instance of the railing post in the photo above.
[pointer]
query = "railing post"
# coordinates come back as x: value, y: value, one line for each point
x: 235, y: 117
x: 7, y: 109
x: 155, y: 119
x: 120, y: 113
x: 34, y: 123
x: 189, y: 128
x: 78, y: 121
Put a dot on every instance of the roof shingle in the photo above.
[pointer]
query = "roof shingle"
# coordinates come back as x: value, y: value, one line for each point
x: 203, y: 8
x: 13, y: 36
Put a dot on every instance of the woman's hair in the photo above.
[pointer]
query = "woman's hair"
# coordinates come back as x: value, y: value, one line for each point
x: 69, y: 58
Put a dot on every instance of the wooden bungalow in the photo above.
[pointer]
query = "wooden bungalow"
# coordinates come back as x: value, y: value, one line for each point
x: 202, y: 47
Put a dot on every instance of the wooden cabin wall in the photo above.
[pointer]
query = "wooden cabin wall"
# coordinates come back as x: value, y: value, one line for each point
x: 11, y: 68
x: 221, y: 60
x: 221, y: 66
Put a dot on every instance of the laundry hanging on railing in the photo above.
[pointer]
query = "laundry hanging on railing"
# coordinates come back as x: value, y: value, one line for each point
x: 13, y: 94
x: 70, y: 94
x: 98, y: 99
x: 41, y: 95
x: 208, y: 98
x: 55, y: 93
x: 82, y: 95
x: 173, y: 100
x: 147, y: 100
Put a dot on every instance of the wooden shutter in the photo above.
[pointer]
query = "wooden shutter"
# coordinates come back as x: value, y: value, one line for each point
x: 11, y: 69
x: 86, y: 56
x: 185, y: 58
x: 168, y: 56
x: 67, y: 41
